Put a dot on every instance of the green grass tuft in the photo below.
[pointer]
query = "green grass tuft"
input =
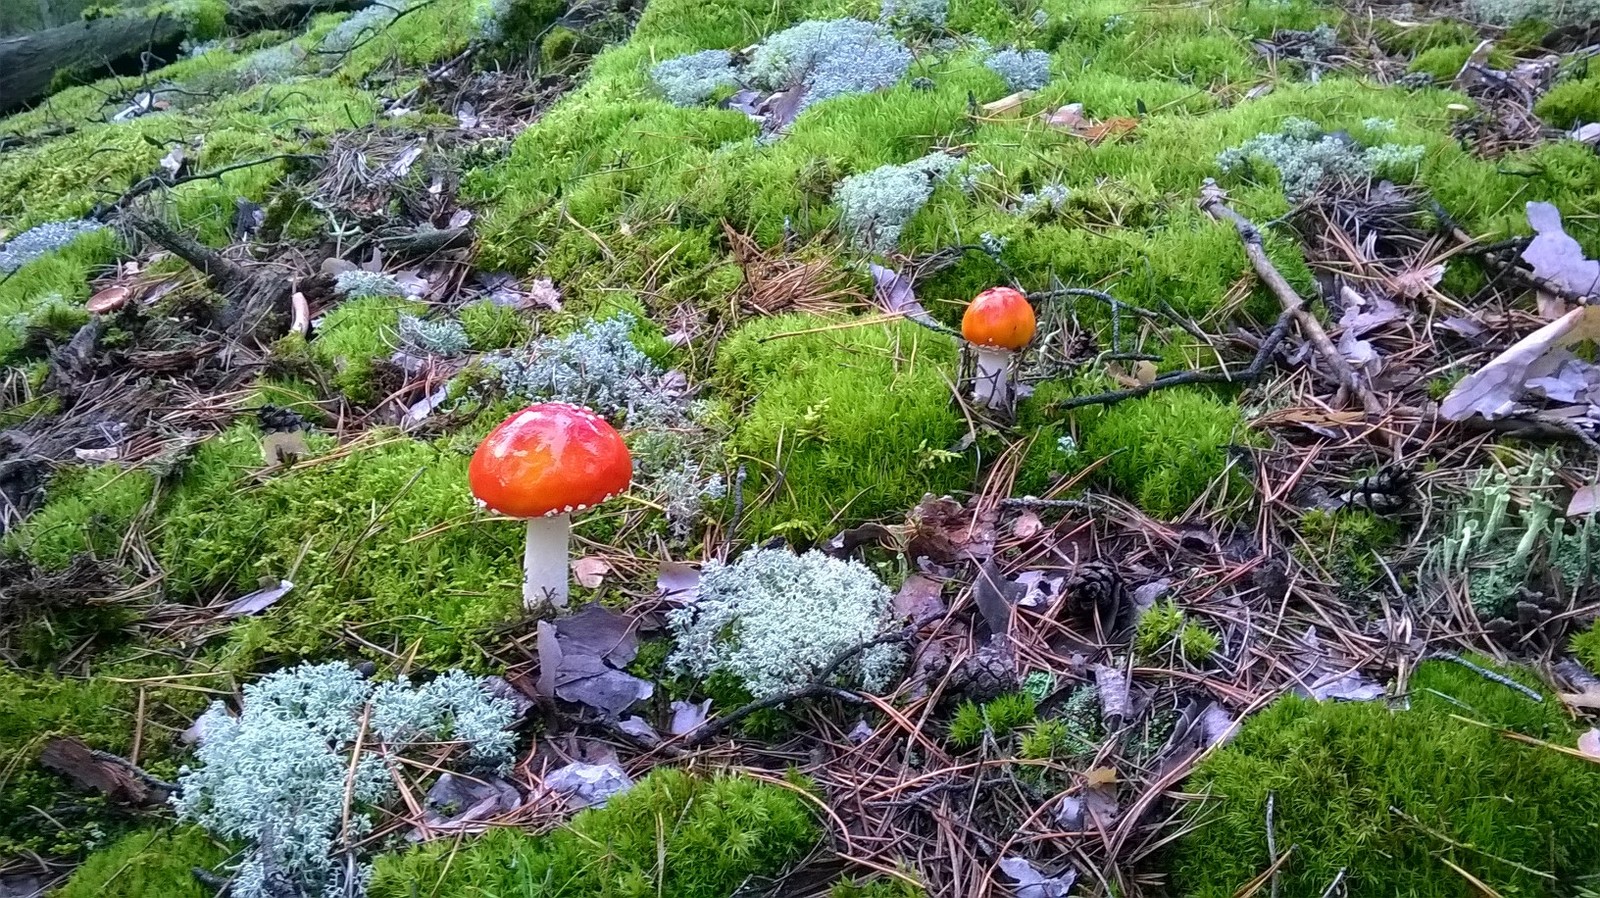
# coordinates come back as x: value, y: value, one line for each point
x: 1497, y: 808
x: 670, y: 836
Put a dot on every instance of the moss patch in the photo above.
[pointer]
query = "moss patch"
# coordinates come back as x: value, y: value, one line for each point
x: 148, y: 863
x: 672, y: 836
x: 1496, y: 808
x: 843, y: 424
x: 1165, y: 450
x: 379, y: 541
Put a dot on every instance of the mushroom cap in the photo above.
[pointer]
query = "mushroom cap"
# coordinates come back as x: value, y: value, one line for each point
x: 999, y: 317
x: 549, y: 459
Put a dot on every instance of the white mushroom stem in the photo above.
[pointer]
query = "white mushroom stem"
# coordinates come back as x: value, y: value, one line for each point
x: 992, y: 387
x: 544, y: 562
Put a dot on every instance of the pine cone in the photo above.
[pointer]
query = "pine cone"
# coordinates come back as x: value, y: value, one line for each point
x: 1097, y: 586
x: 279, y: 420
x: 990, y: 672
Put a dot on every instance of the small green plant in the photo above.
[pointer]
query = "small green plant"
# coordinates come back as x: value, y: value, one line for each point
x: 998, y: 719
x: 1165, y: 626
x: 672, y: 836
x: 877, y: 887
x: 1347, y: 542
x: 355, y: 337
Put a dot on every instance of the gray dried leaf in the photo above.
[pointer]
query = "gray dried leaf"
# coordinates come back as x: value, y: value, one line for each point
x: 258, y: 601
x: 400, y: 166
x: 860, y: 733
x: 892, y: 290
x: 590, y: 571
x: 1033, y: 884
x: 588, y: 785
x: 1557, y: 257
x: 1039, y: 591
x: 678, y: 580
x: 640, y: 729
x: 456, y: 802
x: 587, y: 681
x: 1492, y: 391
x: 993, y: 594
x: 598, y: 631
x: 688, y: 716
x: 919, y: 599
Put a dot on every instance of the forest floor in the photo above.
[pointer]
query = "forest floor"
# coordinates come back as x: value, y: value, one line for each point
x: 1273, y: 568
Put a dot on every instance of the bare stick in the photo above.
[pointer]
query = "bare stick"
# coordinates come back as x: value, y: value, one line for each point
x: 1212, y: 203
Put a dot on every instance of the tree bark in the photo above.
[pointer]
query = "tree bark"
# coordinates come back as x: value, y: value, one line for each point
x: 117, y: 44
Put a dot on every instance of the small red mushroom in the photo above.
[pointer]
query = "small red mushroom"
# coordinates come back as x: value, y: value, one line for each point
x: 542, y: 464
x: 999, y: 321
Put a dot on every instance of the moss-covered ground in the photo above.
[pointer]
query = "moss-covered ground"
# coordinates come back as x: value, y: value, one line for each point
x: 1193, y: 539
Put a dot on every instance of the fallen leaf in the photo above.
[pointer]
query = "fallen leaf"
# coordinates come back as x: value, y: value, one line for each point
x: 1144, y: 371
x: 1033, y: 884
x: 588, y: 785
x: 467, y: 115
x: 460, y: 218
x: 1116, y: 703
x: 893, y: 290
x: 1589, y: 743
x: 1039, y: 591
x: 1556, y: 257
x: 640, y: 729
x: 400, y: 166
x: 258, y: 601
x: 1418, y: 282
x: 590, y: 571
x: 1027, y: 525
x: 919, y: 599
x: 1100, y: 776
x: 599, y: 631
x: 172, y: 163
x: 992, y: 593
x: 678, y: 580
x: 1492, y: 391
x: 688, y: 716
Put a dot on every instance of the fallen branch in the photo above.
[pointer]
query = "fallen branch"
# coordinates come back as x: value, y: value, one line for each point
x: 117, y: 778
x: 256, y: 306
x: 162, y: 180
x: 1212, y: 203
x: 425, y: 243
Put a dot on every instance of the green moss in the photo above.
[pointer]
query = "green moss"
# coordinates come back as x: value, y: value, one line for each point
x: 998, y: 719
x: 1444, y: 61
x: 353, y: 338
x: 1497, y: 808
x: 41, y: 811
x: 60, y: 278
x: 378, y: 542
x: 1164, y: 626
x: 148, y: 863
x: 1347, y: 543
x: 1571, y: 103
x: 840, y: 425
x: 490, y: 326
x: 876, y: 887
x: 1166, y: 449
x: 87, y: 510
x: 1418, y: 37
x: 671, y: 836
x: 525, y: 21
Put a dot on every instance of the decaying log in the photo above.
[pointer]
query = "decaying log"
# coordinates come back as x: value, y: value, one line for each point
x: 119, y: 44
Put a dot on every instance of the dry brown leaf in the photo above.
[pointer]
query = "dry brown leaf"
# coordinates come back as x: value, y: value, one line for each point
x: 590, y: 571
x: 1007, y: 107
x: 1144, y: 372
x: 1100, y: 776
x: 1027, y: 525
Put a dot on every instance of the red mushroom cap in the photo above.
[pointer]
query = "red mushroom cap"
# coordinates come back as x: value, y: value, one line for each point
x: 999, y: 317
x: 549, y: 459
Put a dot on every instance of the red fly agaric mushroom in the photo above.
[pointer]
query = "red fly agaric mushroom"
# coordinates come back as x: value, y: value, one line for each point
x: 999, y: 322
x: 542, y: 464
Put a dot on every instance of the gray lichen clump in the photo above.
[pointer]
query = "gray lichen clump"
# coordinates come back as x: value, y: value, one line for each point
x: 287, y: 773
x: 775, y: 620
x: 36, y: 241
x: 692, y: 80
x: 361, y: 284
x: 1305, y: 157
x: 1021, y: 70
x: 442, y: 337
x: 874, y: 207
x: 920, y: 14
x: 598, y: 367
x: 827, y: 58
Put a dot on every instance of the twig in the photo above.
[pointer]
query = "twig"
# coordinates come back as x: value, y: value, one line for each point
x: 156, y: 181
x: 1334, y: 886
x: 1487, y: 674
x: 1272, y: 843
x: 1253, y: 372
x: 1212, y: 203
x: 816, y: 688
